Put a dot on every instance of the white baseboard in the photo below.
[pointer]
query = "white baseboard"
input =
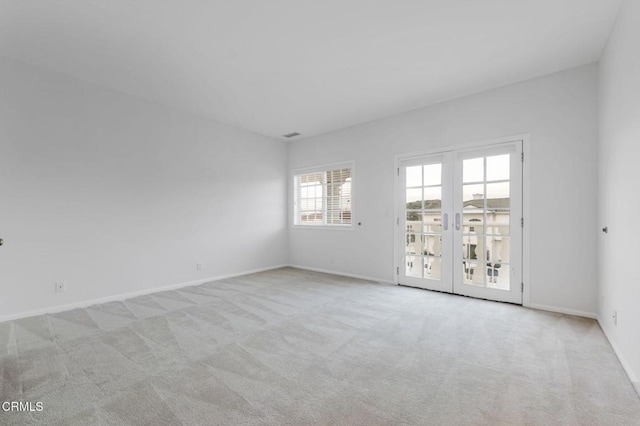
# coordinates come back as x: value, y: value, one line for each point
x: 343, y: 274
x: 625, y: 365
x: 124, y: 296
x: 560, y: 310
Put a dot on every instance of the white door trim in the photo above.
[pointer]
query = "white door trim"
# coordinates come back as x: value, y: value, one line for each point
x: 526, y: 204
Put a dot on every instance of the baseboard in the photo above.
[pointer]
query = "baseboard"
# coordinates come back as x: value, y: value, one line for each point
x: 625, y: 365
x: 560, y: 310
x: 343, y: 274
x: 124, y: 296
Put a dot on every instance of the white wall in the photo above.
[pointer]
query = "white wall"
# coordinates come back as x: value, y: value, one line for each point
x: 619, y: 155
x: 560, y: 113
x: 114, y: 195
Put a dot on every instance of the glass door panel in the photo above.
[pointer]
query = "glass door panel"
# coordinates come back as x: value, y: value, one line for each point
x: 485, y: 199
x: 460, y: 222
x: 424, y: 235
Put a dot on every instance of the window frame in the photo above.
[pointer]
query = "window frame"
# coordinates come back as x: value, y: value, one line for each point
x: 322, y: 169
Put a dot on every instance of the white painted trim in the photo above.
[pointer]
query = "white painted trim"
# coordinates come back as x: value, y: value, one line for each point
x: 526, y: 204
x: 565, y: 311
x: 396, y: 219
x: 327, y: 227
x: 625, y: 364
x: 343, y: 274
x: 124, y: 296
x: 291, y: 207
x: 526, y: 214
x: 323, y: 167
x: 463, y: 146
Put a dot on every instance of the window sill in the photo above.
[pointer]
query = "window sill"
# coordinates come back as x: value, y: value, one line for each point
x: 325, y: 227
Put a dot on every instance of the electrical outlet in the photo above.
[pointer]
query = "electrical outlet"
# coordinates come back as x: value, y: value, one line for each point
x: 615, y: 317
x: 198, y: 266
x: 59, y: 286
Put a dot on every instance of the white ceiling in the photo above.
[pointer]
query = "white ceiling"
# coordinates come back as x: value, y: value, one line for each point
x: 280, y: 66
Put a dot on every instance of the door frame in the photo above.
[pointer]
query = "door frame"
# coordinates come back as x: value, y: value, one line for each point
x: 526, y: 205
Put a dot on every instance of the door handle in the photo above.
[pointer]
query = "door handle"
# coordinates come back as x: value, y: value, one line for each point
x: 457, y: 221
x: 1, y: 241
x: 445, y: 221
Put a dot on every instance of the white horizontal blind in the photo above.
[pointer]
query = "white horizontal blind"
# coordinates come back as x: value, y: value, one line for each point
x: 323, y: 197
x: 309, y: 206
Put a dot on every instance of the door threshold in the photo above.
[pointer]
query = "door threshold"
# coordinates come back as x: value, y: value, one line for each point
x: 460, y: 295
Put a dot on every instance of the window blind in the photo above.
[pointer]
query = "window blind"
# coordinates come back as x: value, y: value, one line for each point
x: 323, y: 197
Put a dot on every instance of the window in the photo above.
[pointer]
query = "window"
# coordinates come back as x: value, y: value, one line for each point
x: 322, y: 196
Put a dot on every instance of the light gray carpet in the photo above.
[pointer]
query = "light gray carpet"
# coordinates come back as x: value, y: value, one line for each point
x: 295, y: 347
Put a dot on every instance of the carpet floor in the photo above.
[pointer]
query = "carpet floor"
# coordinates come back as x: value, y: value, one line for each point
x: 296, y: 347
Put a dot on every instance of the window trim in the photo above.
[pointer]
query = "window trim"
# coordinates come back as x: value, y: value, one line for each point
x: 350, y: 164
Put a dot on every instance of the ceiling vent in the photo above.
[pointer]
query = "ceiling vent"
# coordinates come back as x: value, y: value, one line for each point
x: 291, y: 135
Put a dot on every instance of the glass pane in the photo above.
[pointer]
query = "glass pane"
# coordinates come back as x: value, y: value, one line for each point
x: 498, y: 167
x: 473, y: 170
x: 473, y: 213
x: 433, y: 198
x: 498, y: 223
x: 414, y: 176
x: 497, y: 262
x: 414, y: 266
x: 338, y: 177
x: 432, y: 222
x: 311, y: 178
x: 414, y: 221
x: 432, y: 267
x: 333, y: 190
x: 432, y: 245
x: 473, y: 217
x: 414, y: 199
x: 433, y: 174
x: 473, y: 272
x: 472, y: 247
x: 330, y: 217
x: 308, y: 191
x: 413, y: 244
x: 311, y: 217
x: 498, y: 276
x: 473, y: 228
x: 498, y: 249
x: 498, y: 196
x: 473, y: 195
x: 333, y: 203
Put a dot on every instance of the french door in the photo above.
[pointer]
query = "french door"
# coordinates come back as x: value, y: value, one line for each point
x: 461, y: 222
